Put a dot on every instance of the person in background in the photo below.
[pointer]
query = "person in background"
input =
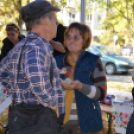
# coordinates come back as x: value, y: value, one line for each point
x: 130, y: 126
x: 13, y: 38
x: 57, y: 43
x: 88, y: 82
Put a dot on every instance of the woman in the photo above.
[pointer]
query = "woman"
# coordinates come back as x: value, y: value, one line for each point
x: 13, y: 38
x: 130, y: 126
x: 88, y: 84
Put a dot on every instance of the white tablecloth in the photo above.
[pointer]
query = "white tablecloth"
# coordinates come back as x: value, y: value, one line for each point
x: 121, y: 115
x: 5, y: 98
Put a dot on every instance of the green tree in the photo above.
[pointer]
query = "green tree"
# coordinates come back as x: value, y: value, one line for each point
x: 106, y: 37
x: 120, y: 17
x: 9, y: 9
x: 10, y: 12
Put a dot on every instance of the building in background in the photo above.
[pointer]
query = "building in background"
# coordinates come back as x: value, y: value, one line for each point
x: 71, y: 13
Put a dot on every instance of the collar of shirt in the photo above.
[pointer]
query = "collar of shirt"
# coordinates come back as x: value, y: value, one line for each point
x: 35, y: 35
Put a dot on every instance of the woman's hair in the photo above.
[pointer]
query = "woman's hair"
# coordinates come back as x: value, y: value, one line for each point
x: 13, y: 27
x: 85, y: 32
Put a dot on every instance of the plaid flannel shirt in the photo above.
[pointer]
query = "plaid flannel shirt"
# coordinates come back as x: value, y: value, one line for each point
x: 34, y: 79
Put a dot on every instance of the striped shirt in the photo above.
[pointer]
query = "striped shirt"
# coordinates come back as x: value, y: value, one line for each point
x: 34, y: 79
x: 97, y: 91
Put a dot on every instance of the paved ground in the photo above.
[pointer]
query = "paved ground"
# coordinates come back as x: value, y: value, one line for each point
x: 120, y: 78
x: 124, y: 78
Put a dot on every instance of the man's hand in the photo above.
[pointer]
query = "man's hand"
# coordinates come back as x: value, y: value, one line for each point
x: 56, y: 109
x: 57, y: 46
x: 133, y: 78
x: 74, y: 85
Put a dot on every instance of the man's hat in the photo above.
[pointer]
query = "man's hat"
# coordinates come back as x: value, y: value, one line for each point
x: 36, y: 9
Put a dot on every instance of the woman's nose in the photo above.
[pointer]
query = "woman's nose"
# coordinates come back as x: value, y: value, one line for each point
x: 72, y: 39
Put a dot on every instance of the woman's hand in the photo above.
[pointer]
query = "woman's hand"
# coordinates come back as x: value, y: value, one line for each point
x: 74, y: 85
x: 59, y: 71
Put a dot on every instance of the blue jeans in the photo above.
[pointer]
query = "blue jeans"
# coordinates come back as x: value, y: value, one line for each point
x: 130, y: 126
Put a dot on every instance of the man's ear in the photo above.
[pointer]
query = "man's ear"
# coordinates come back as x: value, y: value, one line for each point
x: 46, y: 22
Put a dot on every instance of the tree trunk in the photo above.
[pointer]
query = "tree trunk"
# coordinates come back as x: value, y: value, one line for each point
x: 28, y: 1
x: 20, y: 23
x: 133, y: 45
x: 52, y: 2
x: 133, y: 29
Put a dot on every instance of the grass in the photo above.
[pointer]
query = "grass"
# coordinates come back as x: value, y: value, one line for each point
x: 3, y: 120
x: 120, y: 86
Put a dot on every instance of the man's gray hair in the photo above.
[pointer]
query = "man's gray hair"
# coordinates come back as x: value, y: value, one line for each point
x: 38, y: 21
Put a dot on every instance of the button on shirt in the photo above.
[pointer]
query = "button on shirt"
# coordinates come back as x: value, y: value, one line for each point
x: 34, y: 76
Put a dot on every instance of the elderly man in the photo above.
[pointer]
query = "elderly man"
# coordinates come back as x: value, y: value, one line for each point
x: 29, y: 73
